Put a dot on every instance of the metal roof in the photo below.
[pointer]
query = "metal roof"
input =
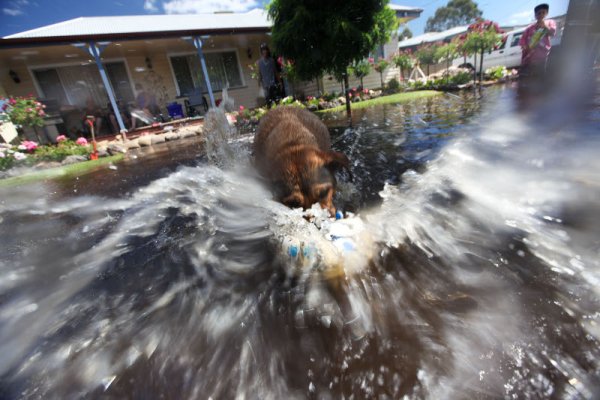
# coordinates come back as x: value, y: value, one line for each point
x: 397, y: 7
x: 148, y: 26
x: 139, y: 24
x: 431, y: 37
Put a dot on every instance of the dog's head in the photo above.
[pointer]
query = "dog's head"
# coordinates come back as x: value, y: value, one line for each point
x: 309, y: 178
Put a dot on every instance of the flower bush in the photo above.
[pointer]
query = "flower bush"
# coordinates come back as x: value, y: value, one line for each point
x: 482, y: 36
x: 28, y: 152
x: 28, y: 146
x: 24, y: 111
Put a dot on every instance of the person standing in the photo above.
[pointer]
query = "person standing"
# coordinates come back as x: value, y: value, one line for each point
x: 268, y: 76
x: 535, y: 43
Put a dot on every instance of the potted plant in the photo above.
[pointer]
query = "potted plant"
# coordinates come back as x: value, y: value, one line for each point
x: 379, y: 66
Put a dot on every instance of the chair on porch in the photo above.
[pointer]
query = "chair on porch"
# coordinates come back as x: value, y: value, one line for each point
x: 196, y: 104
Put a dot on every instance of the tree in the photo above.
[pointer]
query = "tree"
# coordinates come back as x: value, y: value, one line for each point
x: 379, y: 66
x: 406, y: 33
x: 330, y: 37
x: 455, y: 13
x: 426, y: 55
x: 447, y: 52
x: 482, y: 36
x: 361, y: 69
x: 404, y: 61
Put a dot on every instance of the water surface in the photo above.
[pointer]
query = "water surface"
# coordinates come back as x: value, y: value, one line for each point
x: 166, y: 279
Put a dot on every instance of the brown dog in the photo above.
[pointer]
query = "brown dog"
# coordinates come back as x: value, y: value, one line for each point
x: 292, y: 150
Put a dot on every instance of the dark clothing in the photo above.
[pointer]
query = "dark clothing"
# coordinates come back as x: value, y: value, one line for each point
x: 268, y: 79
x: 266, y: 68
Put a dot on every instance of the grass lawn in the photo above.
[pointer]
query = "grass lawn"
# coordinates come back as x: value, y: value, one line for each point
x: 59, y: 172
x: 394, y: 98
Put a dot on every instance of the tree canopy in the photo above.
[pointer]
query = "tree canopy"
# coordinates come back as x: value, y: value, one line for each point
x: 328, y: 36
x: 406, y: 33
x: 455, y: 13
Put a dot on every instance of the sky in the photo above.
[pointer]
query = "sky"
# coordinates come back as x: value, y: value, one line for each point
x: 21, y: 15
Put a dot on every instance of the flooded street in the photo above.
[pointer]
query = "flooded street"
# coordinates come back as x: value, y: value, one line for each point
x: 167, y: 278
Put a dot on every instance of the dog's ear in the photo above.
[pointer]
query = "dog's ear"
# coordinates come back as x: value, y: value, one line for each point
x: 334, y: 161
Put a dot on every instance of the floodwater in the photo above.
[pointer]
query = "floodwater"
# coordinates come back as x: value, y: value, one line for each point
x: 166, y: 278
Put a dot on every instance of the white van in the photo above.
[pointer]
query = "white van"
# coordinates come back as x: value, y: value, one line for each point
x: 508, y: 55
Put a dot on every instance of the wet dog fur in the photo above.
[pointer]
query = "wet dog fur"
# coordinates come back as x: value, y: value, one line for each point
x: 292, y: 150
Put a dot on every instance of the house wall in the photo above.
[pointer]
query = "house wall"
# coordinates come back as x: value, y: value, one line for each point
x: 159, y: 79
x: 24, y: 88
x: 328, y: 83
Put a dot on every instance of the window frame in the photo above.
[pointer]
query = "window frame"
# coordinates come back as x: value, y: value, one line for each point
x: 190, y: 53
x: 38, y: 88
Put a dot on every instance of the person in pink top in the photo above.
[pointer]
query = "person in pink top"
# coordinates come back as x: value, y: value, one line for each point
x: 535, y: 42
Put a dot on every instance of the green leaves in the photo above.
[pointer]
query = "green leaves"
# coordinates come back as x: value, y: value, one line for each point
x: 328, y: 36
x: 361, y: 68
x: 25, y: 111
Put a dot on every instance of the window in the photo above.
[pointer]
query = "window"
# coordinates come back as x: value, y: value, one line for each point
x: 223, y: 71
x: 51, y: 86
x: 80, y: 85
x: 515, y: 40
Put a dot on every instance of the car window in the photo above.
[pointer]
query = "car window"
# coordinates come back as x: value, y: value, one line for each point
x: 515, y: 40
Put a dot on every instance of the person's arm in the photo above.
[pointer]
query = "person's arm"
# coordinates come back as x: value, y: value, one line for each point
x: 551, y: 27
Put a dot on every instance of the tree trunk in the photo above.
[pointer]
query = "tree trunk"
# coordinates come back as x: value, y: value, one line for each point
x: 474, y: 69
x: 448, y: 69
x: 481, y: 67
x: 348, y: 110
x: 361, y: 83
x: 427, y: 71
x: 401, y: 75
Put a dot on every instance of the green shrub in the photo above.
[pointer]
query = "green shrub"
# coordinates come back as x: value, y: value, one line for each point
x: 61, y: 151
x: 496, y: 73
x: 461, y: 78
x: 393, y: 85
x: 6, y: 162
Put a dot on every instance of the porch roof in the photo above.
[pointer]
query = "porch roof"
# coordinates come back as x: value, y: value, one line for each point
x: 140, y: 27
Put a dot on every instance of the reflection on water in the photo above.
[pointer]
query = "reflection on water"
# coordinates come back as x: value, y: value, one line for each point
x: 483, y: 284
